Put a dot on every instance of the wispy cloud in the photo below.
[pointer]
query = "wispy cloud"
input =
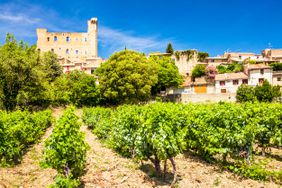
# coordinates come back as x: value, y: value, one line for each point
x: 22, y: 19
x: 18, y: 18
x: 115, y: 40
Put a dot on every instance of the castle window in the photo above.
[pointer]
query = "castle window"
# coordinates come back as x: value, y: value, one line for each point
x: 67, y: 51
x: 55, y: 38
x: 67, y: 39
x: 48, y: 39
x: 76, y: 51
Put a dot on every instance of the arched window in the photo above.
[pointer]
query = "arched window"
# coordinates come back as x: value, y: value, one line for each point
x: 67, y: 39
x: 67, y: 51
x: 76, y: 52
x: 55, y: 38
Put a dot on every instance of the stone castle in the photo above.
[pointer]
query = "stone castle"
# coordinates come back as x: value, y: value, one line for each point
x: 76, y: 50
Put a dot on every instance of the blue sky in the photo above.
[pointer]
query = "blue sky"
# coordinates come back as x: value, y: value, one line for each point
x: 213, y: 26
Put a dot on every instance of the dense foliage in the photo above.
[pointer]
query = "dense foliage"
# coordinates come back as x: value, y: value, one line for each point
x: 234, y: 67
x: 18, y: 130
x: 158, y: 132
x: 276, y: 66
x: 261, y: 93
x: 77, y: 88
x: 198, y: 71
x: 189, y: 54
x: 202, y: 56
x: 167, y: 72
x: 127, y: 76
x: 24, y: 80
x: 65, y: 150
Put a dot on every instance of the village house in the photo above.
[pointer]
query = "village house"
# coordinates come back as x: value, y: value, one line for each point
x: 273, y: 54
x: 75, y: 50
x: 277, y: 78
x: 257, y: 73
x: 229, y: 82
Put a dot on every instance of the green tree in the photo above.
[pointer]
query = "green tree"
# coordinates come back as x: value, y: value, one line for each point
x: 127, y: 76
x: 276, y: 66
x: 198, y: 71
x: 266, y: 92
x: 245, y: 93
x: 23, y: 81
x: 52, y: 67
x: 77, y: 88
x: 169, y: 49
x: 234, y: 67
x: 83, y: 89
x: 168, y: 74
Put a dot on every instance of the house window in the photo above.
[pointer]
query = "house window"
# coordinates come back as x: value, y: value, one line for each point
x: 223, y: 90
x: 261, y: 80
x: 85, y: 39
x: 235, y: 82
x: 240, y: 57
x: 67, y: 39
x: 67, y: 51
x: 55, y: 38
x: 76, y: 52
x: 245, y: 81
x: 279, y: 79
x: 261, y: 71
x: 222, y: 83
x: 52, y: 50
x: 48, y: 39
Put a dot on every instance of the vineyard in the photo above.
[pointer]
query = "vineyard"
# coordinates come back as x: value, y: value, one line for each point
x: 242, y: 139
x: 233, y: 135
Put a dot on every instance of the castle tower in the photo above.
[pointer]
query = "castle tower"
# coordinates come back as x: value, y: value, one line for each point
x: 93, y: 36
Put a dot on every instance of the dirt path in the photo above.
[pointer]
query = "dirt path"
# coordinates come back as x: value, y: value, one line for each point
x: 29, y: 173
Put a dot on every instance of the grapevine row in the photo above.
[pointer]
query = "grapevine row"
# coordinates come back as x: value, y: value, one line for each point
x: 159, y: 132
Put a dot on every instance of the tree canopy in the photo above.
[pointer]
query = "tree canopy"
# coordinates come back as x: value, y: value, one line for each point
x: 24, y: 75
x: 127, y: 76
x: 169, y: 49
x: 198, y: 71
x: 168, y: 74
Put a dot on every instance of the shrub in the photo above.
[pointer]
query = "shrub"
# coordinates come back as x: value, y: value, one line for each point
x: 18, y: 130
x: 65, y: 150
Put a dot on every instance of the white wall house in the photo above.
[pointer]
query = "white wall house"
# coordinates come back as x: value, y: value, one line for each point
x: 229, y: 82
x: 277, y: 78
x: 257, y: 73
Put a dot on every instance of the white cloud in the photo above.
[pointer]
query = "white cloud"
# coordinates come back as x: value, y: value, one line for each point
x: 115, y: 40
x: 22, y: 19
x: 18, y: 18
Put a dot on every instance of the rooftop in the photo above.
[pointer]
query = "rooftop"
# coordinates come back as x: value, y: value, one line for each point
x: 231, y: 76
x: 257, y: 66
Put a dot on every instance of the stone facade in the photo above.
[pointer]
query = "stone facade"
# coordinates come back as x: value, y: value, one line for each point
x: 76, y: 51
